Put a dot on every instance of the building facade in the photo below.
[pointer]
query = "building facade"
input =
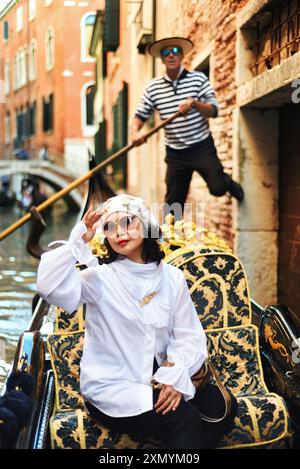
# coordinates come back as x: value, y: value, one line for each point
x: 49, y: 79
x: 250, y: 51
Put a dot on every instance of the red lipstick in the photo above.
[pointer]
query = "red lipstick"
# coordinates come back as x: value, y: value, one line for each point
x: 122, y: 242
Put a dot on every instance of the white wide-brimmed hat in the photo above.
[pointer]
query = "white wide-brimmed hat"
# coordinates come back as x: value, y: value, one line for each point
x: 156, y: 46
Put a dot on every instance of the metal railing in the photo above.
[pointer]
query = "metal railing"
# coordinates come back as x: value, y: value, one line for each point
x: 8, y: 152
x: 277, y: 34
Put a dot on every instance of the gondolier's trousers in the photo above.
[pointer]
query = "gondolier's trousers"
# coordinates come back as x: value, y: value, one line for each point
x: 179, y: 429
x: 181, y: 164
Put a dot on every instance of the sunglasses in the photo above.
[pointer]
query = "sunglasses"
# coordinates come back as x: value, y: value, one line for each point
x: 167, y: 51
x: 125, y: 223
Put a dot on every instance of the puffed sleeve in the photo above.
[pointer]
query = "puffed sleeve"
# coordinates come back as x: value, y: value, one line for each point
x: 58, y: 280
x: 187, y: 348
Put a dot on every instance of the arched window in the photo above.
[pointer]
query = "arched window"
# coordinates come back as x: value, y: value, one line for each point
x: 19, y: 67
x: 86, y: 26
x: 15, y: 71
x: 89, y: 103
x: 7, y: 128
x: 7, y: 77
x: 25, y: 66
x: 32, y: 10
x: 32, y: 59
x: 88, y: 92
x: 50, y: 48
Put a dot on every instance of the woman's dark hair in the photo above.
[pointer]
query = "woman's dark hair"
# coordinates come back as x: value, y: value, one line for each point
x: 151, y: 248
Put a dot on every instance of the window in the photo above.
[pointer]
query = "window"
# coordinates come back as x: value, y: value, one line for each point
x: 88, y: 92
x: 15, y: 71
x: 19, y: 68
x: 7, y: 77
x: 7, y: 128
x: 22, y: 59
x: 50, y: 48
x: 86, y: 25
x: 89, y: 97
x: 5, y: 31
x: 48, y: 113
x: 120, y: 131
x: 27, y: 120
x: 19, y: 18
x: 32, y: 10
x: 32, y: 59
x: 32, y: 119
x: 22, y: 131
x: 271, y: 35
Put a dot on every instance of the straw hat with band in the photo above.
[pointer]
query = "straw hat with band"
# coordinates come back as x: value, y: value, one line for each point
x: 185, y: 44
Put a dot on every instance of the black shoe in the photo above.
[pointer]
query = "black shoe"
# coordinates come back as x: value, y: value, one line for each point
x: 236, y: 190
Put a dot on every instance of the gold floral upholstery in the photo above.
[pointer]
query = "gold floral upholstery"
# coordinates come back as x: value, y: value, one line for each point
x: 76, y: 430
x: 219, y: 289
x: 70, y: 322
x: 65, y: 350
x: 217, y: 284
x: 261, y: 421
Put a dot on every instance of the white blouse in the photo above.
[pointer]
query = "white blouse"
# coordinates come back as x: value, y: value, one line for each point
x: 121, y: 336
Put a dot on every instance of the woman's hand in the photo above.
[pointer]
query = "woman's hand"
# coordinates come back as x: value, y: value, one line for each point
x: 90, y: 219
x: 168, y: 399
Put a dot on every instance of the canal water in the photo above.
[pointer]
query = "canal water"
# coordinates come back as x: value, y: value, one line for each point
x: 18, y: 275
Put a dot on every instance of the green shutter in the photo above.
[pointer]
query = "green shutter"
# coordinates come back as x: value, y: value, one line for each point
x: 120, y: 131
x: 100, y: 143
x: 5, y: 30
x: 111, y: 25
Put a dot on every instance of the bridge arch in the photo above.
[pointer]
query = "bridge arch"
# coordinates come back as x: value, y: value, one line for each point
x: 54, y: 175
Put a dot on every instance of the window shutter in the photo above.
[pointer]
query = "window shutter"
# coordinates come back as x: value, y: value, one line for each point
x: 5, y: 30
x: 100, y: 143
x: 111, y: 25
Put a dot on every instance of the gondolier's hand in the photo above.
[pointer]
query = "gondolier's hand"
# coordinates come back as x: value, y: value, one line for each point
x: 186, y: 105
x: 90, y: 220
x: 168, y: 399
x: 138, y: 138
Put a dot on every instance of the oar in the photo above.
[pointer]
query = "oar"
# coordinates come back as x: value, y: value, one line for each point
x: 54, y: 198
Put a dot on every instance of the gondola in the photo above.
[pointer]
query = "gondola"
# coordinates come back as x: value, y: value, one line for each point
x: 254, y: 348
x: 7, y: 197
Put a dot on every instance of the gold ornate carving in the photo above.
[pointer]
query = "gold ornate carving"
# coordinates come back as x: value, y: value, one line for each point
x: 182, y: 234
x: 270, y: 335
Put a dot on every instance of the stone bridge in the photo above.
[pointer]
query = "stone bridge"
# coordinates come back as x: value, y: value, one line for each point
x: 50, y: 173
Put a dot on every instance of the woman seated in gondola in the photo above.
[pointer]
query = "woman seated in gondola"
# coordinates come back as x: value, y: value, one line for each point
x: 139, y: 318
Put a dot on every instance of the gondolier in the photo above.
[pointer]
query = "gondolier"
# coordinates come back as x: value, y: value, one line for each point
x: 189, y: 143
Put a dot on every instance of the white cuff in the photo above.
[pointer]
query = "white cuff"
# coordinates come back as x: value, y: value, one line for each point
x: 176, y: 376
x: 80, y: 250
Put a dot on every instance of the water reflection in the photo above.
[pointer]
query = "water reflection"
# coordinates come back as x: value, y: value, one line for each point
x: 18, y: 275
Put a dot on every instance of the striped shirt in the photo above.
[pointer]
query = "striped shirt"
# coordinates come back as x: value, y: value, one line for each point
x: 164, y: 95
